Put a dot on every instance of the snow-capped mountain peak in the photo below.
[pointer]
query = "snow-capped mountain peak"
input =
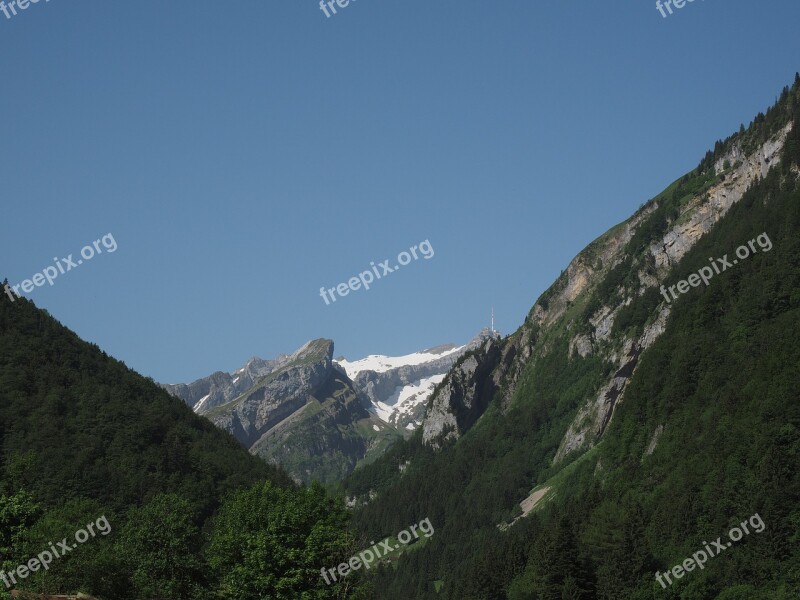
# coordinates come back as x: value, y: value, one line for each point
x: 396, y: 388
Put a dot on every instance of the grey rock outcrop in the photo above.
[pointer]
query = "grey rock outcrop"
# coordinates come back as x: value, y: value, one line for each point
x: 276, y: 395
x: 220, y: 387
x: 699, y: 216
x: 463, y: 395
x: 703, y: 212
x: 300, y: 411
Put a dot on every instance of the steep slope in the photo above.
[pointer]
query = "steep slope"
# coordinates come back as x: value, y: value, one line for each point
x: 299, y: 411
x: 220, y: 387
x: 654, y: 386
x: 601, y: 282
x: 277, y: 395
x: 87, y: 443
x: 74, y: 421
x: 329, y: 436
x: 303, y: 412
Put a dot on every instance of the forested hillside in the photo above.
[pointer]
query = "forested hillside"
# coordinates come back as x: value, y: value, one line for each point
x: 190, y: 511
x: 708, y: 433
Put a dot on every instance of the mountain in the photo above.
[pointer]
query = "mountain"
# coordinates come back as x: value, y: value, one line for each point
x: 300, y: 411
x: 220, y: 387
x: 647, y: 404
x: 304, y: 412
x: 82, y: 423
x: 165, y: 493
x: 397, y: 388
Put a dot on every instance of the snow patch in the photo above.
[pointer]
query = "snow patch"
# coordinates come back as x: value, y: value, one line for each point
x: 380, y: 363
x: 405, y: 398
x: 201, y: 403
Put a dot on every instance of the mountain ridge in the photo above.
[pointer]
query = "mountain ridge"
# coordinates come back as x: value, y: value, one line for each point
x: 268, y: 405
x: 602, y: 398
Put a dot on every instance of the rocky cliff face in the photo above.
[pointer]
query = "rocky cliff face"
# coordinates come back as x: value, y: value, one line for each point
x: 592, y: 419
x: 699, y: 216
x: 300, y: 411
x: 399, y: 394
x: 328, y: 436
x: 463, y: 395
x: 220, y: 387
x: 277, y: 395
x: 703, y: 212
x: 495, y: 371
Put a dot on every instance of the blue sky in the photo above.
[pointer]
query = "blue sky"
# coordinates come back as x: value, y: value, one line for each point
x: 245, y: 154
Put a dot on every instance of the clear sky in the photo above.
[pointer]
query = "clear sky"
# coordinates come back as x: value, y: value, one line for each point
x: 244, y: 154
